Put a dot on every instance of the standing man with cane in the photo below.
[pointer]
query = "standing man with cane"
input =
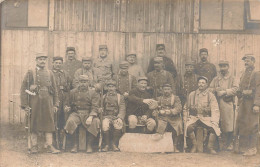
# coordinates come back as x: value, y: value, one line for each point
x: 43, y: 102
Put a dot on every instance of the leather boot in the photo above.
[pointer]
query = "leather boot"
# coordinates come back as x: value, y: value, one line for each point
x: 52, y: 149
x: 91, y: 138
x: 194, y: 142
x: 250, y: 152
x: 34, y: 149
x: 75, y: 145
x: 107, y: 141
x: 211, y: 143
x: 116, y: 137
x: 175, y: 142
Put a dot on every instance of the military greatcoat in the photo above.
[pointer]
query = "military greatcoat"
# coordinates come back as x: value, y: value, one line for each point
x: 206, y: 69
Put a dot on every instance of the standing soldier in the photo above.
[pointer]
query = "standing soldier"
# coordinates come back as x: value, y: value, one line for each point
x: 86, y: 69
x: 158, y: 77
x: 190, y: 80
x: 84, y: 107
x: 249, y: 102
x: 203, y: 111
x: 71, y: 64
x: 134, y: 69
x: 169, y: 114
x: 125, y: 81
x: 139, y: 107
x: 225, y: 88
x: 103, y: 65
x: 43, y: 101
x: 114, y: 115
x: 204, y: 68
x: 63, y: 86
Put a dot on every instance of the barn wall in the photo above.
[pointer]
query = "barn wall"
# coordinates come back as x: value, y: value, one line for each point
x: 19, y: 46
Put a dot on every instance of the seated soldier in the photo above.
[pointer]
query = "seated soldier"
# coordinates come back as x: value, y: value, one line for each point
x: 169, y: 114
x: 203, y: 111
x: 140, y: 105
x: 113, y: 115
x: 84, y: 106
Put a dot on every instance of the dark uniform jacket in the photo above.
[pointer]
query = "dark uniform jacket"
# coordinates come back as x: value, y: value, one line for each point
x: 190, y: 84
x: 63, y: 86
x: 206, y: 69
x: 135, y: 104
x: 71, y: 67
x: 114, y: 106
x: 125, y: 83
x: 42, y: 118
x: 247, y: 122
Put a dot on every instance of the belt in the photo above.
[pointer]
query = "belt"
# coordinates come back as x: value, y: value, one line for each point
x: 43, y: 88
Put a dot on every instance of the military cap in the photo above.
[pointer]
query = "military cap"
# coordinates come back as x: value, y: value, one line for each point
x: 158, y: 59
x: 86, y: 59
x: 167, y: 85
x: 57, y: 58
x: 160, y: 46
x: 102, y: 47
x: 249, y: 56
x: 202, y: 77
x: 124, y: 65
x: 83, y: 78
x: 131, y: 54
x: 203, y: 50
x: 111, y: 82
x: 38, y: 55
x: 190, y: 63
x: 70, y: 49
x: 223, y: 62
x: 142, y: 78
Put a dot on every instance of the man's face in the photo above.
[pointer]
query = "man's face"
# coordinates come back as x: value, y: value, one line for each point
x: 57, y: 64
x: 111, y: 88
x: 223, y: 68
x: 131, y: 59
x: 167, y: 91
x: 160, y: 52
x: 87, y: 64
x: 142, y: 85
x: 202, y: 84
x: 203, y: 56
x: 158, y: 66
x: 41, y: 62
x: 249, y: 62
x: 103, y: 53
x: 84, y: 83
x: 71, y: 55
x: 123, y: 71
x: 189, y: 68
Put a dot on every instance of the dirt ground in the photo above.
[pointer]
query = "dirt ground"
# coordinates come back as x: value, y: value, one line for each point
x: 13, y: 152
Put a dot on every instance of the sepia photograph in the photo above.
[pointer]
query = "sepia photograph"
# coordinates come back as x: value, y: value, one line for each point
x: 129, y: 83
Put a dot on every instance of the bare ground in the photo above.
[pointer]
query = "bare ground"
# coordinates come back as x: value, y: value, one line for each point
x: 13, y: 153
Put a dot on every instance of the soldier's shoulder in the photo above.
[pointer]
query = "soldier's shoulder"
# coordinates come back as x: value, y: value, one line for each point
x: 92, y: 92
x: 74, y: 90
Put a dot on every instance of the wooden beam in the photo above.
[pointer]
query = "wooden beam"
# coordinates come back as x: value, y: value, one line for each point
x: 196, y: 16
x: 51, y: 15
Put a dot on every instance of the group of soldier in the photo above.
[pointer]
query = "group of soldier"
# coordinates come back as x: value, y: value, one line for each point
x: 89, y: 93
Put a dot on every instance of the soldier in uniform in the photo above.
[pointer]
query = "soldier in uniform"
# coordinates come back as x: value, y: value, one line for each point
x: 158, y: 77
x: 103, y: 65
x: 249, y: 102
x: 113, y: 116
x: 168, y: 66
x: 42, y: 98
x: 84, y: 105
x: 125, y: 81
x: 134, y: 69
x: 71, y: 64
x: 204, y: 112
x: 225, y: 88
x: 169, y: 114
x: 139, y: 107
x: 86, y: 69
x: 190, y: 79
x: 205, y: 68
x: 63, y: 86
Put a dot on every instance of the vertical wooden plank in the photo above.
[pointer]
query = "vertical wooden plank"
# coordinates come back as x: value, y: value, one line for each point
x: 123, y: 15
x: 196, y: 16
x: 161, y: 12
x: 146, y: 16
x: 167, y: 21
x: 51, y: 15
x: 147, y: 51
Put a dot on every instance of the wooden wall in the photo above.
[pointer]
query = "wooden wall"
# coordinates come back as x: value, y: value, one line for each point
x: 19, y: 46
x: 124, y: 15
